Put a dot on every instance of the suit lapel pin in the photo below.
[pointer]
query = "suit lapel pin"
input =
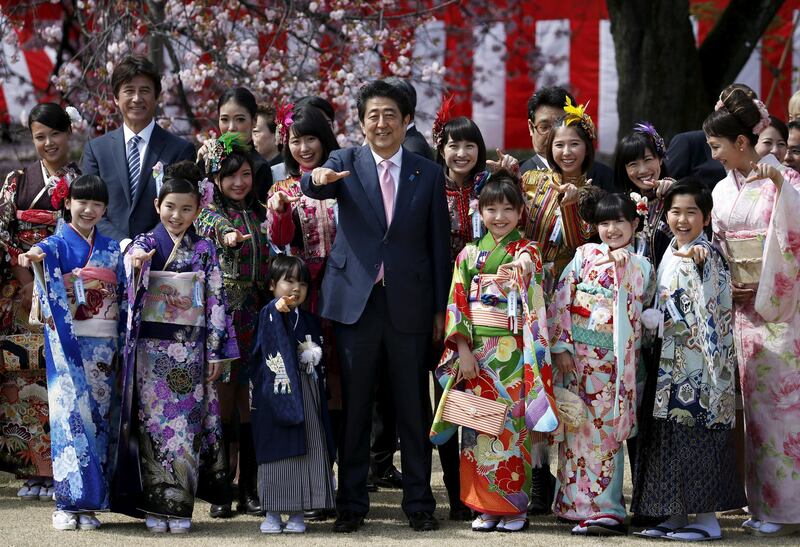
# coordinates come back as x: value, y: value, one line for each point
x: 413, y: 176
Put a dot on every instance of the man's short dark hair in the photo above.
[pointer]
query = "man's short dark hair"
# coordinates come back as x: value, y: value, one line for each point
x: 553, y: 95
x: 379, y: 88
x: 132, y: 66
x: 406, y: 87
x: 794, y: 124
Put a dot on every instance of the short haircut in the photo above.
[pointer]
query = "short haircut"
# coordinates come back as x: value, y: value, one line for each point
x: 584, y: 136
x: 554, y: 96
x: 317, y: 102
x: 379, y: 88
x: 308, y: 120
x: 501, y: 186
x: 132, y: 66
x: 267, y: 112
x: 630, y: 148
x: 51, y: 115
x: 406, y: 87
x: 89, y: 187
x: 241, y: 96
x: 691, y: 186
x: 463, y: 129
x: 794, y: 124
x: 283, y: 266
x: 780, y: 126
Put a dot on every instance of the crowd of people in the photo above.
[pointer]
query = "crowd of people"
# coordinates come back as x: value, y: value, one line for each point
x: 235, y: 322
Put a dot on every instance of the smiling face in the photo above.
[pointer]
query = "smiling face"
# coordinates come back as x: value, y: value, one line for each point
x: 543, y: 120
x: 384, y: 126
x: 643, y: 172
x: 137, y: 102
x: 177, y: 212
x: 685, y: 219
x: 771, y: 142
x: 500, y: 218
x: 52, y: 145
x: 617, y: 233
x: 85, y: 213
x: 569, y: 151
x: 234, y: 118
x: 306, y: 151
x: 460, y: 158
x: 731, y: 154
x: 792, y: 158
x: 237, y: 186
x: 290, y: 286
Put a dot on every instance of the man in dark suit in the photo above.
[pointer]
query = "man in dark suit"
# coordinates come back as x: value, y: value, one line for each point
x: 544, y: 108
x: 124, y: 158
x: 689, y: 154
x: 385, y: 287
x: 414, y: 141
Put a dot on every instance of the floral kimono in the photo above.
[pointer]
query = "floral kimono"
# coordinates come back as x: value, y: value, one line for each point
x: 595, y: 316
x: 465, y: 218
x: 26, y: 218
x: 514, y: 368
x: 307, y: 229
x: 558, y: 230
x: 178, y: 325
x: 757, y: 229
x: 80, y: 285
x: 686, y: 463
x: 244, y: 267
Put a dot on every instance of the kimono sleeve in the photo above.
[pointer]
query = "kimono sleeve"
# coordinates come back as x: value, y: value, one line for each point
x: 779, y: 287
x: 213, y: 225
x: 560, y: 316
x: 8, y: 213
x: 220, y: 341
x: 459, y: 319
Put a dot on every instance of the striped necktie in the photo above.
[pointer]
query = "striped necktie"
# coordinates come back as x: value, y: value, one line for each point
x: 134, y: 167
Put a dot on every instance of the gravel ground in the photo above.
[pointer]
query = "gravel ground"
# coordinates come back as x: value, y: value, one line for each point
x: 28, y: 523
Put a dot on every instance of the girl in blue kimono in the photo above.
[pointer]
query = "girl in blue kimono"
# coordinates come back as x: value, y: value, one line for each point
x: 291, y: 427
x: 79, y: 280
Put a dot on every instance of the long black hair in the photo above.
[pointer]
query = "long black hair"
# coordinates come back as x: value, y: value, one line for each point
x: 309, y: 120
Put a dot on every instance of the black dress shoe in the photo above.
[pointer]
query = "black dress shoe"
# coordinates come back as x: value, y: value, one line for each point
x: 250, y: 505
x: 423, y: 521
x: 391, y: 479
x: 348, y: 522
x: 220, y: 511
x: 318, y: 515
x: 543, y: 485
x: 460, y: 512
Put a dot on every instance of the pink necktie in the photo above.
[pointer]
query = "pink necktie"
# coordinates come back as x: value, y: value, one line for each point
x: 387, y: 189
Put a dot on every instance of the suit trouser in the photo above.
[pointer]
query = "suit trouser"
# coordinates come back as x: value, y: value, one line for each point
x: 383, y: 442
x: 360, y: 346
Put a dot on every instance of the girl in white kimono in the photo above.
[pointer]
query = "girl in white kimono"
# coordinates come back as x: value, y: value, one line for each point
x: 755, y: 224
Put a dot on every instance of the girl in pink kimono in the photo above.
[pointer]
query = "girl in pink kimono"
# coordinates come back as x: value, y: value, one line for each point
x: 754, y: 223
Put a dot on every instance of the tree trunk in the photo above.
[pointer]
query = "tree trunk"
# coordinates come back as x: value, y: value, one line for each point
x: 662, y: 75
x: 660, y: 78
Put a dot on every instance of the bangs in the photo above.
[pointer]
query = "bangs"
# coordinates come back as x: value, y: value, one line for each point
x: 89, y: 187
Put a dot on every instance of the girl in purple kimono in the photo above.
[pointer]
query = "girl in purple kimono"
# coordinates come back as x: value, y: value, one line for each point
x: 180, y: 338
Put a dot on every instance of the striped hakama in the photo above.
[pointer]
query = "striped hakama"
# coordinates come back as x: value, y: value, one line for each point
x: 300, y: 483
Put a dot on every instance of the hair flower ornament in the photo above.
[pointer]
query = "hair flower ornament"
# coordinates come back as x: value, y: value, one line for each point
x: 283, y: 121
x: 765, y: 121
x: 443, y: 116
x: 649, y: 129
x: 59, y: 193
x: 577, y: 115
x: 217, y: 150
x: 206, y: 188
x: 641, y: 204
x: 74, y: 115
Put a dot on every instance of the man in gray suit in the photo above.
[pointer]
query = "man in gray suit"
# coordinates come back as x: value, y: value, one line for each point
x: 124, y: 158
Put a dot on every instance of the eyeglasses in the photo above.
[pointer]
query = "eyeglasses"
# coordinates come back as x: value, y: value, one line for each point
x: 543, y: 128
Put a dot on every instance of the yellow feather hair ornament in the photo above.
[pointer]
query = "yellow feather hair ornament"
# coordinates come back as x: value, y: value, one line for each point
x: 577, y: 114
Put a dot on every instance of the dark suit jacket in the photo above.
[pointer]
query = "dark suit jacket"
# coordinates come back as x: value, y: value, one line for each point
x: 415, y: 142
x: 129, y: 216
x: 262, y: 175
x: 414, y: 250
x: 689, y: 154
x: 602, y: 175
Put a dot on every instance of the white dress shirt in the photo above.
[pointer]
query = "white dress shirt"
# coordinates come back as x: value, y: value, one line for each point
x: 145, y: 134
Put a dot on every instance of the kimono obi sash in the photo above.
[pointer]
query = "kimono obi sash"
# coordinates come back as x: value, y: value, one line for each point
x: 175, y: 298
x: 33, y: 226
x: 488, y: 301
x: 38, y: 216
x: 592, y: 313
x: 744, y: 256
x: 92, y: 297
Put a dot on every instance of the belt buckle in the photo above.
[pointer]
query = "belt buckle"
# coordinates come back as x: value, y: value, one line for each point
x: 383, y: 281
